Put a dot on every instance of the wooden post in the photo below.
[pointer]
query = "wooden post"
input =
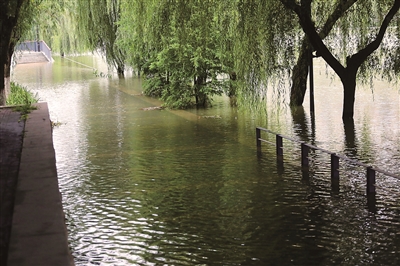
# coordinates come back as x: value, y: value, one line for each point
x: 279, y: 146
x: 304, y: 155
x: 335, y: 172
x: 258, y: 140
x: 371, y: 203
x: 371, y: 190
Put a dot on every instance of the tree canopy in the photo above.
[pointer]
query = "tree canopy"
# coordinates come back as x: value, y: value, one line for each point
x: 97, y: 21
x: 364, y: 46
x: 190, y: 50
x: 178, y: 47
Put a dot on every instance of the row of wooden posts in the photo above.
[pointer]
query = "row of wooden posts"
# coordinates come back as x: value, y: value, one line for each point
x: 335, y: 159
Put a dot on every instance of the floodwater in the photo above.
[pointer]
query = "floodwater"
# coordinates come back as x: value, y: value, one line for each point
x: 164, y: 187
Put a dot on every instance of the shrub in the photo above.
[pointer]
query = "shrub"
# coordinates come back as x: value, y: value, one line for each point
x: 20, y: 95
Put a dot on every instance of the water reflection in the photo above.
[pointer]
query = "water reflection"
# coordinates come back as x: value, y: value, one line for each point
x: 350, y: 138
x: 303, y: 125
x: 187, y: 188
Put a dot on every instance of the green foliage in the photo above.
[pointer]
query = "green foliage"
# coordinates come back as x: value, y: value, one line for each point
x: 53, y: 22
x: 357, y: 29
x: 20, y: 95
x: 269, y: 40
x: 23, y: 98
x: 178, y: 47
x: 190, y: 50
x: 266, y: 43
x: 97, y: 21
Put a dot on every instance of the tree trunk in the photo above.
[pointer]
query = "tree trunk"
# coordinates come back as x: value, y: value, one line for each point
x: 350, y: 137
x: 120, y: 71
x: 9, y: 14
x: 5, y: 36
x: 349, y: 92
x: 7, y: 66
x: 7, y: 82
x: 232, y: 86
x: 2, y: 87
x: 299, y: 75
x: 201, y: 97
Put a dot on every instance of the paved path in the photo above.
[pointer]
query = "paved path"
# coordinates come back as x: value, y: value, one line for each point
x: 31, y: 57
x: 38, y: 234
x: 11, y: 134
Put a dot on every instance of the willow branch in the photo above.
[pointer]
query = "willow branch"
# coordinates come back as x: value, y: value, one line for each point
x: 309, y: 28
x: 358, y: 58
x: 339, y: 11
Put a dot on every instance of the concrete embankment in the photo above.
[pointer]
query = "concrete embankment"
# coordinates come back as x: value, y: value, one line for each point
x: 38, y: 231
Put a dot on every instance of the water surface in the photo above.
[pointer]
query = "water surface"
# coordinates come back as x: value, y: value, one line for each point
x: 180, y: 187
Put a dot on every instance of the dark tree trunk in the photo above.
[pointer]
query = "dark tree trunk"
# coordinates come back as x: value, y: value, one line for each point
x: 350, y: 137
x: 7, y: 66
x: 232, y: 85
x: 120, y: 71
x: 349, y: 92
x: 7, y: 77
x: 201, y: 97
x: 5, y: 36
x: 2, y: 87
x: 299, y: 75
x: 9, y: 14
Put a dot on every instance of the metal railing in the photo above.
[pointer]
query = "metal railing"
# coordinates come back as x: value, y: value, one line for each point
x: 35, y: 46
x: 335, y: 160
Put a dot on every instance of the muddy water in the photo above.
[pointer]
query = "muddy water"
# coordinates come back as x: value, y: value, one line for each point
x: 168, y: 187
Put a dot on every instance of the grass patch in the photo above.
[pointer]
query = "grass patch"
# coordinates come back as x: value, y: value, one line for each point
x: 22, y: 97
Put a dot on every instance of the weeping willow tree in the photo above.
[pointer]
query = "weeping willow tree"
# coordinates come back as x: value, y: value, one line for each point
x: 177, y: 45
x: 46, y: 20
x: 276, y: 48
x: 265, y: 48
x: 324, y: 25
x: 358, y: 42
x: 15, y: 18
x: 58, y: 28
x: 53, y: 22
x: 98, y: 22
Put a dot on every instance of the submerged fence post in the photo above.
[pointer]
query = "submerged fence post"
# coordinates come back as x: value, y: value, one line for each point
x: 279, y: 147
x: 370, y: 181
x: 305, y: 163
x: 258, y: 140
x: 304, y: 155
x: 335, y: 171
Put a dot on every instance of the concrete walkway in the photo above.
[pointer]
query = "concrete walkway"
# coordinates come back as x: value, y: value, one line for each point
x: 38, y: 232
x: 26, y: 57
x: 11, y: 136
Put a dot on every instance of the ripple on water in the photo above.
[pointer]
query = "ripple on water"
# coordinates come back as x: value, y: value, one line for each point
x: 161, y: 187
